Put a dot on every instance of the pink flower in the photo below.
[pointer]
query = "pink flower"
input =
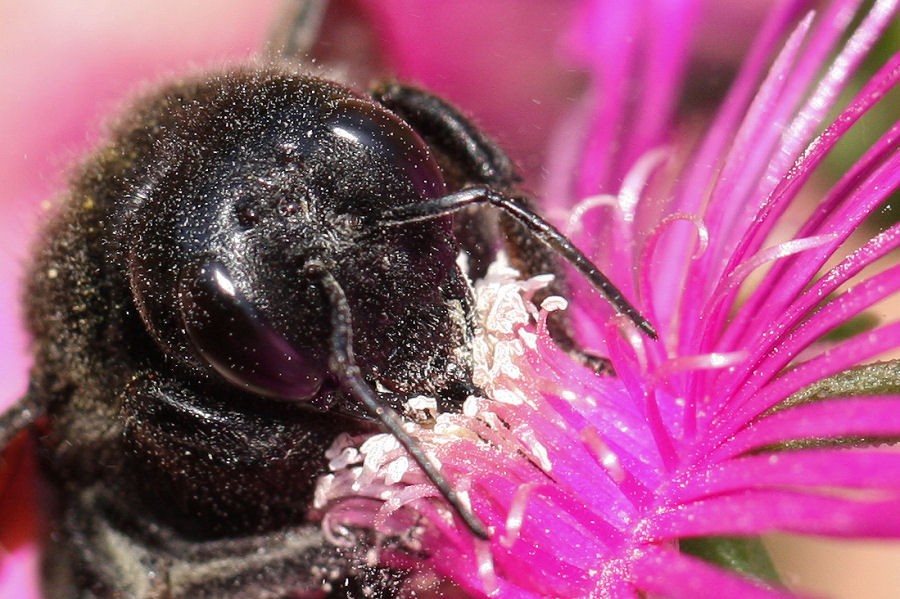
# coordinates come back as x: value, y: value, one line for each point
x: 745, y: 266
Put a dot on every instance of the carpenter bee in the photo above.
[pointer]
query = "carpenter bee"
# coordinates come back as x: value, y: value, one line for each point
x: 255, y: 261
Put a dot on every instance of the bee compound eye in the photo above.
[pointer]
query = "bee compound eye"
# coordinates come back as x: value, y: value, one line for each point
x: 380, y: 132
x: 238, y: 342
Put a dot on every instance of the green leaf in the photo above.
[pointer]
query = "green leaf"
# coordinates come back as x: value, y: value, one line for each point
x: 745, y: 555
x: 881, y: 378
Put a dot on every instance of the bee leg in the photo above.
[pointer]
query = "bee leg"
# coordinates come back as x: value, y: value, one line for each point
x: 296, y: 29
x: 464, y: 150
x: 19, y: 417
x: 103, y: 551
x: 334, y: 38
x: 466, y: 156
x: 471, y: 157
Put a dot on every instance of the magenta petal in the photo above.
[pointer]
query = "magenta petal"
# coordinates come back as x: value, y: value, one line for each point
x: 826, y: 468
x: 755, y: 206
x: 839, y: 310
x: 649, y: 40
x: 874, y: 249
x: 841, y: 357
x: 665, y: 573
x: 755, y: 511
x: 722, y: 298
x: 757, y: 151
x: 693, y: 187
x: 783, y: 282
x: 816, y: 107
x: 830, y: 418
x: 857, y: 202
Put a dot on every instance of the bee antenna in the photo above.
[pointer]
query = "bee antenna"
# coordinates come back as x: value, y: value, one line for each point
x: 540, y: 228
x: 342, y: 364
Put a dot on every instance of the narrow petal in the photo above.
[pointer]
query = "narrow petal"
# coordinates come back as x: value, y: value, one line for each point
x: 841, y: 309
x: 840, y: 357
x: 856, y: 196
x: 757, y: 511
x: 845, y: 468
x: 665, y: 573
x: 825, y: 419
x: 693, y: 189
x: 875, y: 249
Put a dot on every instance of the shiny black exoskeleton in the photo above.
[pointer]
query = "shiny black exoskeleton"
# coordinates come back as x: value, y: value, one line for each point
x: 254, y: 263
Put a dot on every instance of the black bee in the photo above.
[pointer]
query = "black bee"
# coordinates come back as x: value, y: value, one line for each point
x: 256, y: 261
